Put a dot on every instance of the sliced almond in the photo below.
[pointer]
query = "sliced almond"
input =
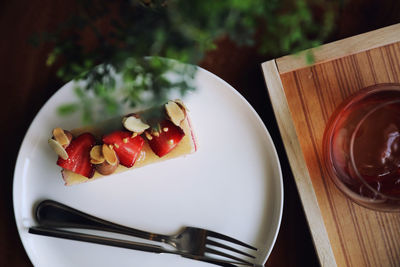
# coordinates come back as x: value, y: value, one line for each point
x: 58, y: 148
x: 96, y: 162
x: 175, y: 113
x: 148, y: 135
x: 134, y: 124
x: 96, y: 155
x: 62, y: 137
x: 109, y: 155
x: 110, y: 160
x: 181, y: 104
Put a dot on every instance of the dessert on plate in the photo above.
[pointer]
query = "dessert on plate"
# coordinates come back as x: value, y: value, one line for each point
x: 120, y: 144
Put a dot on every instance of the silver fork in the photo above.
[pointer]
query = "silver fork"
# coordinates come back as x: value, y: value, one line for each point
x: 190, y: 240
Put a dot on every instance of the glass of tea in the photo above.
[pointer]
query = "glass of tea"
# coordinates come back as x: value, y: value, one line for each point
x: 361, y: 147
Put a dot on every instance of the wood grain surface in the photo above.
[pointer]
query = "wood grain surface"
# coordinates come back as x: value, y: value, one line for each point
x: 342, y: 48
x: 298, y: 164
x: 358, y: 236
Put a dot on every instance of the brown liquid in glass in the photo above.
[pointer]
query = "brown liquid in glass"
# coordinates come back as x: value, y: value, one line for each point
x: 372, y: 131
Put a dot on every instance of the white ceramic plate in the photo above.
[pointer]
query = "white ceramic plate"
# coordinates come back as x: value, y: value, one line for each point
x: 232, y: 184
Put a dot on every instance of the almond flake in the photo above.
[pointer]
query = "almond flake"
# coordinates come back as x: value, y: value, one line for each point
x: 181, y: 104
x: 175, y: 113
x: 96, y: 155
x: 109, y: 155
x: 134, y: 124
x: 148, y: 136
x: 61, y: 137
x: 95, y: 162
x: 58, y: 148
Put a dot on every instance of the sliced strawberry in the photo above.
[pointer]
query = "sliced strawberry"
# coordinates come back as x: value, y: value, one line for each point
x: 78, y: 151
x: 168, y: 138
x: 126, y: 146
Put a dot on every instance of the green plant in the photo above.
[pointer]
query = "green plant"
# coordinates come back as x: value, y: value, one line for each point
x: 137, y: 34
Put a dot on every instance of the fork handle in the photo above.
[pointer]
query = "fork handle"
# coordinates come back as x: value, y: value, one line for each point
x: 45, y: 231
x: 54, y: 214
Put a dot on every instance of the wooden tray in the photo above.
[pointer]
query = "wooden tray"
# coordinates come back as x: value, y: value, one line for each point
x: 303, y: 97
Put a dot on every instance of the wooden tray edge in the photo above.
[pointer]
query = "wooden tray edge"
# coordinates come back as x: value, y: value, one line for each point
x: 298, y: 165
x: 342, y: 48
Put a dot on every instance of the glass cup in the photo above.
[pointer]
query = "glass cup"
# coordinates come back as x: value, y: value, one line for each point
x: 361, y: 147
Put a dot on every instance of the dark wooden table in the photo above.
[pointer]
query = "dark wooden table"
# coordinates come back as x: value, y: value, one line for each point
x: 26, y: 84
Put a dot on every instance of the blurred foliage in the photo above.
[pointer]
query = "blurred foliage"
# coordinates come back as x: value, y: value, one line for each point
x: 131, y: 37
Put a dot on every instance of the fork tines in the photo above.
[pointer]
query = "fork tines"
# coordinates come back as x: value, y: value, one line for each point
x: 226, y: 247
x: 217, y: 244
x: 230, y: 239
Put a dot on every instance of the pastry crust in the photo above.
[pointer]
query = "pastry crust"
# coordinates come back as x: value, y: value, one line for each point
x: 187, y: 145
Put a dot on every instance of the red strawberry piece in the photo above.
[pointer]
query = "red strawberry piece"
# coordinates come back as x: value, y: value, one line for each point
x: 78, y: 151
x: 168, y: 138
x: 126, y: 146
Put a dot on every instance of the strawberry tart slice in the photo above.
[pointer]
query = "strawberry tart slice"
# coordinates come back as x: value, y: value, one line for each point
x: 117, y: 145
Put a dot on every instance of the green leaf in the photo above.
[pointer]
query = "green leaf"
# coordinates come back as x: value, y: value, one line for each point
x: 178, y: 29
x: 79, y: 92
x: 310, y: 58
x: 51, y: 59
x: 67, y: 109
